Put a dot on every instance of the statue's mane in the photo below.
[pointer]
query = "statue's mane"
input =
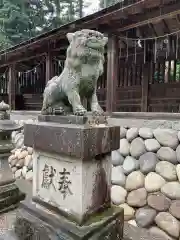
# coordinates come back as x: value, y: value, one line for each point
x: 78, y: 52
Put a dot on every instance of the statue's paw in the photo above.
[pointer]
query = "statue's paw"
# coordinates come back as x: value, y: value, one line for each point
x: 80, y: 111
x: 98, y: 113
x: 97, y: 110
x: 59, y: 111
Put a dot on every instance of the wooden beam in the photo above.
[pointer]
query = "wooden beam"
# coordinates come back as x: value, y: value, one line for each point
x: 11, y: 86
x: 112, y: 73
x: 145, y: 88
x: 153, y: 17
x: 49, y: 66
x: 153, y: 29
x: 166, y: 28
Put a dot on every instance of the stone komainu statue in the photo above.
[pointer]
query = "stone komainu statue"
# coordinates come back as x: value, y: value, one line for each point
x: 83, y: 66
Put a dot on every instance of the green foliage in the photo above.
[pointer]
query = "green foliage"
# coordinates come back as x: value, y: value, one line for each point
x: 23, y: 19
x: 107, y: 3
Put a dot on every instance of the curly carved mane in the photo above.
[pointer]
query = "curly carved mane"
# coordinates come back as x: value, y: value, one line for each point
x: 86, y: 47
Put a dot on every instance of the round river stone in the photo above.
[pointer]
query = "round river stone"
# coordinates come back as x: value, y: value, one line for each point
x: 175, y: 209
x: 131, y: 134
x: 152, y: 145
x: 167, y: 154
x: 148, y: 162
x: 168, y: 223
x: 134, y: 181
x: 137, y: 147
x: 158, y: 201
x: 171, y: 190
x: 167, y: 170
x: 145, y: 216
x: 137, y: 198
x: 145, y: 133
x: 166, y: 137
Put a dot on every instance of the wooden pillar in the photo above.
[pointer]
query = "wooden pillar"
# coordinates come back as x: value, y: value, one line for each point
x: 49, y: 66
x: 145, y: 87
x: 12, y: 86
x: 112, y: 73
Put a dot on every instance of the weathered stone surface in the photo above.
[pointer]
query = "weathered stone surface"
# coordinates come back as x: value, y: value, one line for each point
x: 168, y: 223
x: 128, y: 211
x: 137, y: 147
x: 41, y: 226
x: 30, y: 165
x: 178, y: 153
x: 30, y: 150
x: 158, y: 232
x: 175, y: 209
x: 167, y: 154
x: 148, y: 162
x: 14, y: 162
x: 130, y: 164
x: 27, y: 160
x: 117, y: 176
x: 166, y: 137
x: 18, y: 173
x: 179, y: 135
x: 167, y: 170
x: 137, y: 198
x: 154, y: 182
x: 117, y: 158
x: 132, y: 133
x: 23, y: 154
x: 145, y: 133
x: 17, y: 152
x: 159, y: 201
x: 134, y: 181
x: 152, y: 145
x: 123, y: 132
x: 14, y: 169
x: 59, y: 139
x: 118, y: 195
x: 29, y: 175
x: 20, y: 163
x: 12, y: 157
x: 171, y: 190
x: 178, y: 171
x: 124, y: 147
x: 145, y: 216
x: 24, y: 171
x: 20, y: 142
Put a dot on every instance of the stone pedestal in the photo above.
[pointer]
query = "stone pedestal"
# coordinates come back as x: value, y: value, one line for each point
x: 72, y: 180
x: 10, y: 196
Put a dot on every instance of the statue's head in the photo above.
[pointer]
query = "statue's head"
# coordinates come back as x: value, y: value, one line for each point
x: 88, y: 38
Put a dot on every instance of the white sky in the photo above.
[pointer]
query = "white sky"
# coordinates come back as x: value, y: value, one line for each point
x: 93, y: 6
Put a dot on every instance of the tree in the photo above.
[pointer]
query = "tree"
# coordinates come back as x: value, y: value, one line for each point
x: 107, y: 3
x: 23, y: 19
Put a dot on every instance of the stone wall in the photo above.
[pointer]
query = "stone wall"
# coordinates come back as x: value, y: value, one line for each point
x: 145, y: 179
x: 21, y: 161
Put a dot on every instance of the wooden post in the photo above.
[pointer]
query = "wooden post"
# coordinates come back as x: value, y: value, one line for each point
x: 49, y: 66
x: 112, y: 73
x: 12, y: 86
x: 145, y: 87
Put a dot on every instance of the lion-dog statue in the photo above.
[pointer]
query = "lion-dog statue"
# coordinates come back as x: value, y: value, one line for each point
x: 83, y: 66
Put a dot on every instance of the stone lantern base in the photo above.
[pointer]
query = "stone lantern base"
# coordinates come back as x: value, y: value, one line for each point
x: 10, y: 196
x: 71, y: 182
x: 43, y: 224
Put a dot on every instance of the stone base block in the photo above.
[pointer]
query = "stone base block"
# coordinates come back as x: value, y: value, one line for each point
x: 34, y: 222
x: 10, y: 196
